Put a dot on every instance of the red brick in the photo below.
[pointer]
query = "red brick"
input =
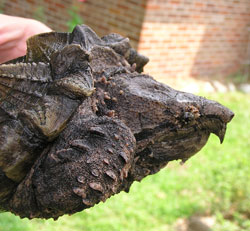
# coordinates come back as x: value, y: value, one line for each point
x: 30, y: 1
x: 153, y: 7
x: 60, y: 5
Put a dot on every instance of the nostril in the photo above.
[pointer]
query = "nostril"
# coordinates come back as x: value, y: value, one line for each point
x: 188, y: 116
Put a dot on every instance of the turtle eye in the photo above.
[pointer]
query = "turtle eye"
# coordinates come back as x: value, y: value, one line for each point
x: 188, y: 116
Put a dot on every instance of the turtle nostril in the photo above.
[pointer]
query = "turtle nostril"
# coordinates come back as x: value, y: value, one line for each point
x: 188, y: 116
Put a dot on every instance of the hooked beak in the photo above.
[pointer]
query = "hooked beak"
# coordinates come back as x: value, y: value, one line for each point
x: 217, y: 117
x: 211, y: 116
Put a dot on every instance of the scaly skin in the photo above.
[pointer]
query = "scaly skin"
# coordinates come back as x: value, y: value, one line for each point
x: 129, y: 127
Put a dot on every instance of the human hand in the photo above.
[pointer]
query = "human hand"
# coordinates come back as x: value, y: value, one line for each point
x: 14, y: 31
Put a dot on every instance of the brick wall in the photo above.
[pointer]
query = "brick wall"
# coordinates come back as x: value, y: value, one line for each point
x: 124, y: 16
x: 199, y: 38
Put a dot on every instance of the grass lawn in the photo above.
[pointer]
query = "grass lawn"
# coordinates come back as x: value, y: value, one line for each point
x: 215, y: 182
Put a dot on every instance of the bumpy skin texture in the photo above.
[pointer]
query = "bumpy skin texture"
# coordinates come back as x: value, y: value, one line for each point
x: 80, y: 123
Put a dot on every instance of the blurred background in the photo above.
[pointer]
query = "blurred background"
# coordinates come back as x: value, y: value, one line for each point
x: 200, y: 46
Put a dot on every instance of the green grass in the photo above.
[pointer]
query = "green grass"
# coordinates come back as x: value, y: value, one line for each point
x: 215, y: 181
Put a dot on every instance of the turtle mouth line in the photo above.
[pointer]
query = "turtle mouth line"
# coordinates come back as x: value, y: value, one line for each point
x: 214, y: 125
x: 204, y: 125
x: 187, y: 139
x: 207, y: 125
x: 184, y: 142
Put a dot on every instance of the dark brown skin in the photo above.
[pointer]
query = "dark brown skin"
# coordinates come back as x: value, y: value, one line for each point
x: 88, y: 124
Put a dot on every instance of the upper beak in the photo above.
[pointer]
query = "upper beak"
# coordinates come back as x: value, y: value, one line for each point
x: 218, y: 117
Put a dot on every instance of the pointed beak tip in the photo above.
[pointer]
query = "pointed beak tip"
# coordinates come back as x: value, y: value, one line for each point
x: 221, y: 140
x: 221, y: 133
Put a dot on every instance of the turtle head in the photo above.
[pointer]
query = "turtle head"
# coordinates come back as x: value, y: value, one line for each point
x: 167, y: 124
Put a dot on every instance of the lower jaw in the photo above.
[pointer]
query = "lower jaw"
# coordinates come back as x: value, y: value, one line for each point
x: 182, y: 147
x: 156, y: 156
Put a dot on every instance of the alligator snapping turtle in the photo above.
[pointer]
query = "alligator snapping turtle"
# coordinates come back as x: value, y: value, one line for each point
x: 79, y: 123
